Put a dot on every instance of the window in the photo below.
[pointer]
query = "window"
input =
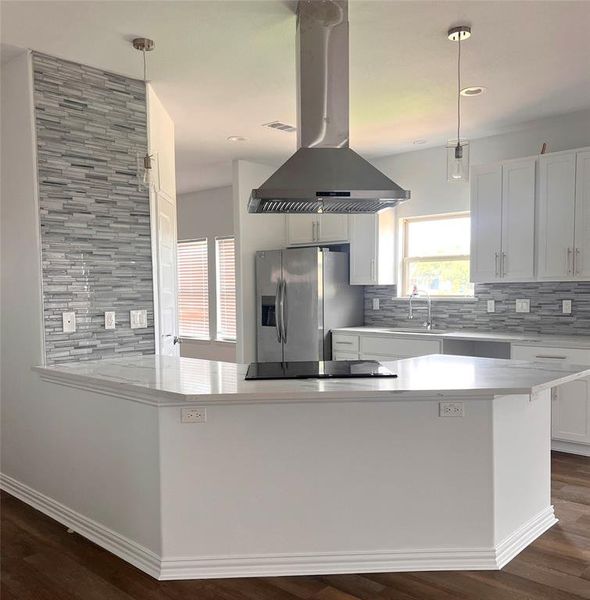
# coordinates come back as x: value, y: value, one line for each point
x: 226, y: 288
x: 436, y: 255
x: 193, y: 290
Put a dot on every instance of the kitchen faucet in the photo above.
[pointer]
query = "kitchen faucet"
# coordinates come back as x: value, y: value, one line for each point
x: 416, y: 294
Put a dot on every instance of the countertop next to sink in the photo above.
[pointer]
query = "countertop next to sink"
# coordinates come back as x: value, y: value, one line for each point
x: 533, y: 339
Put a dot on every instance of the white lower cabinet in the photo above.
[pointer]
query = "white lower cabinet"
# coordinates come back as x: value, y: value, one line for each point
x: 377, y: 347
x: 570, y: 412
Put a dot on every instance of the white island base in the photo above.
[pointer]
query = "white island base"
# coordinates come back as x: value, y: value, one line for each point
x: 296, y: 477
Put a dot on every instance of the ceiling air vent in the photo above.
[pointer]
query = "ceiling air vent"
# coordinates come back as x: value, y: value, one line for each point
x: 280, y: 126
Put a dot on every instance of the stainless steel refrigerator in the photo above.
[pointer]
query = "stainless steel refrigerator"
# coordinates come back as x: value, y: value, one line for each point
x: 301, y: 295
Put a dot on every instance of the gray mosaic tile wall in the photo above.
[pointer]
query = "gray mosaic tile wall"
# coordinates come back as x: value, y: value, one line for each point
x: 545, y: 316
x: 95, y: 222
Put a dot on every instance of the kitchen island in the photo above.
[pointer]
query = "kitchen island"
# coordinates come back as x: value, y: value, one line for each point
x: 298, y: 477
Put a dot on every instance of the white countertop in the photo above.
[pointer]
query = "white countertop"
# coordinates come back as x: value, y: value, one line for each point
x: 532, y: 339
x: 172, y: 381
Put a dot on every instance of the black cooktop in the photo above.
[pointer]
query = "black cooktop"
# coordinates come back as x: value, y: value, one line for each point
x: 326, y: 369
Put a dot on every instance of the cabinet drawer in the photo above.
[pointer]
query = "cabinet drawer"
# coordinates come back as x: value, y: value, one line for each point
x: 345, y: 343
x: 398, y: 347
x: 551, y: 355
x: 345, y: 356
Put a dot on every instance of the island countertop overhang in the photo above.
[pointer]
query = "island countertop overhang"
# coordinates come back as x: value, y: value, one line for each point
x: 174, y: 381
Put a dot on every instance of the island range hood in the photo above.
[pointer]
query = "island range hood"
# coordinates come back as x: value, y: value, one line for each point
x: 324, y: 175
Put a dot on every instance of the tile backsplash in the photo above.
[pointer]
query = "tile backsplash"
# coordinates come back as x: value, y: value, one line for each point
x: 95, y: 221
x: 545, y: 308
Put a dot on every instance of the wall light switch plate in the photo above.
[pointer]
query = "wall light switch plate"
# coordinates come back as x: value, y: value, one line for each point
x: 138, y: 319
x: 69, y: 322
x: 193, y: 415
x: 491, y: 306
x: 566, y: 307
x: 375, y: 303
x: 109, y: 319
x: 523, y: 305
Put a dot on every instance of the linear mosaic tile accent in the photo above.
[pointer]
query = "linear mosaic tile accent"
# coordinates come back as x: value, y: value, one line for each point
x: 545, y: 316
x: 95, y: 222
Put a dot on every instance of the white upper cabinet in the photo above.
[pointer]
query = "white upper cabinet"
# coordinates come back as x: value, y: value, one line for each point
x: 486, y: 222
x: 314, y: 229
x: 517, y: 262
x: 372, y: 248
x: 301, y: 229
x: 503, y: 221
x: 582, y: 221
x: 564, y: 216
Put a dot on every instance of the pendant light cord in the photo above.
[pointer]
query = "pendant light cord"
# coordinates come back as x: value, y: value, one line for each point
x: 459, y: 93
x: 144, y: 67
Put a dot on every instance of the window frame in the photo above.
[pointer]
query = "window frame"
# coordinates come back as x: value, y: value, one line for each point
x: 218, y: 337
x: 207, y: 336
x: 406, y: 260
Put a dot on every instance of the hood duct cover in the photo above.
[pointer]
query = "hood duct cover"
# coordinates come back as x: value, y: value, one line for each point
x: 324, y: 175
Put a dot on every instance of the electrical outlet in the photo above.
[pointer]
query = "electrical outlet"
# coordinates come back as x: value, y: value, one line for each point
x: 451, y: 409
x: 491, y: 306
x: 109, y: 319
x: 375, y: 303
x: 193, y: 415
x: 69, y: 322
x: 138, y: 319
x: 523, y: 305
x: 566, y: 307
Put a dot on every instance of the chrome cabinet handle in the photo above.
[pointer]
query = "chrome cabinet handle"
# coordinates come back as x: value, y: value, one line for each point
x: 503, y: 265
x: 496, y: 256
x: 576, y: 265
x: 313, y: 231
x: 373, y: 270
x: 342, y: 343
x: 569, y: 261
x: 555, y: 356
x: 318, y: 231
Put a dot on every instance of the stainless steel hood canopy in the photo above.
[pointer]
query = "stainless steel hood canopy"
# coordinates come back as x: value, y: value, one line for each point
x: 324, y: 175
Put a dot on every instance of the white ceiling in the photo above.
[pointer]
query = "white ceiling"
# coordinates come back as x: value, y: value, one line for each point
x: 225, y: 67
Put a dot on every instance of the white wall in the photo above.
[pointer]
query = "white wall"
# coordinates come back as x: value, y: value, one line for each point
x: 424, y: 172
x: 253, y: 232
x: 21, y: 314
x: 207, y: 214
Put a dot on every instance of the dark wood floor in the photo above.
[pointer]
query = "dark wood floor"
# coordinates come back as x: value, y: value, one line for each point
x: 41, y: 561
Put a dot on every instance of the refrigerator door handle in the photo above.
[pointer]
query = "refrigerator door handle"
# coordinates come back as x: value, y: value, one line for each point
x: 277, y: 311
x: 283, y: 311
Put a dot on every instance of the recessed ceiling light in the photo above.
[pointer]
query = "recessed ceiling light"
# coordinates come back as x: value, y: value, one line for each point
x: 236, y: 138
x: 419, y: 142
x: 474, y: 90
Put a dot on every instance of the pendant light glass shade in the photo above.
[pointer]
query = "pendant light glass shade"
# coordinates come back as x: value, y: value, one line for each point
x: 458, y: 150
x: 458, y: 161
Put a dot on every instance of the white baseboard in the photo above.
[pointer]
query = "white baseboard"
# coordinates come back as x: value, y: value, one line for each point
x: 110, y: 540
x: 268, y: 565
x: 467, y: 559
x: 525, y: 535
x: 571, y: 447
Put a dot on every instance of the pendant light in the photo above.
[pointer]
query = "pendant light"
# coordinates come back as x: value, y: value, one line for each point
x: 458, y: 150
x: 145, y: 164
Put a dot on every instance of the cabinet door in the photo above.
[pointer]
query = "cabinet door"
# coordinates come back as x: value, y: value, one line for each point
x: 301, y: 229
x: 363, y: 249
x: 582, y: 227
x: 333, y: 228
x: 518, y: 220
x: 555, y: 241
x: 486, y: 223
x: 345, y: 356
x: 571, y: 412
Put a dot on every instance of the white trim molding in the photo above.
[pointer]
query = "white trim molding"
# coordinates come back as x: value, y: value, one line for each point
x: 102, y: 536
x: 570, y: 447
x: 267, y: 565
